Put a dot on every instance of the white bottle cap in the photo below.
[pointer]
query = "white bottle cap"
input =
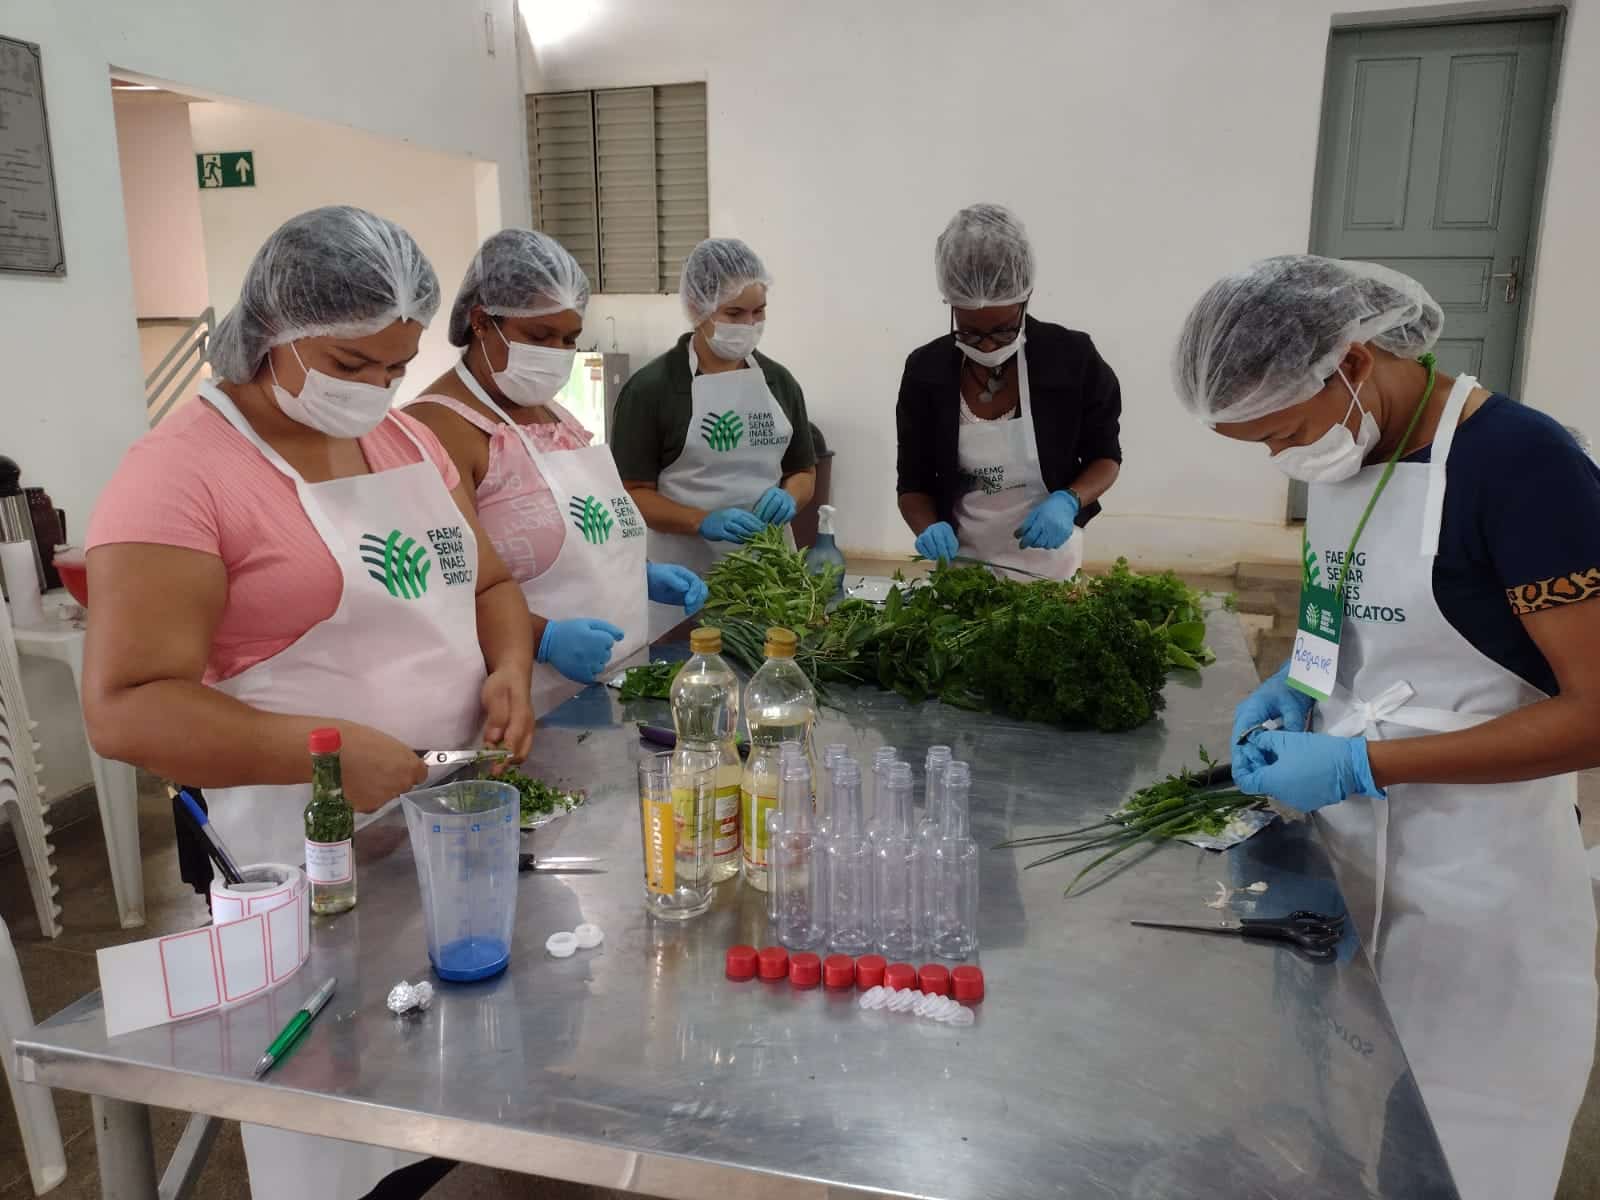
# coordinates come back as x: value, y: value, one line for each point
x: 561, y: 945
x: 588, y: 936
x: 825, y: 518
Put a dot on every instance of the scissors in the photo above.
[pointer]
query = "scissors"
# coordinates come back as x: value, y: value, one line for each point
x: 1316, y: 935
x: 455, y: 758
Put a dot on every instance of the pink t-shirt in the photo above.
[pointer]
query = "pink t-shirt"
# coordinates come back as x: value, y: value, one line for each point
x: 196, y: 483
x: 515, y: 506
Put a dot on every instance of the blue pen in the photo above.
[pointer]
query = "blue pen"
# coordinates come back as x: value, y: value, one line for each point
x: 230, y: 869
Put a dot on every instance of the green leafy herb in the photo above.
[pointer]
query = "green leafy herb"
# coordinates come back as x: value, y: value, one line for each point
x: 652, y: 681
x: 539, y: 799
x: 329, y: 816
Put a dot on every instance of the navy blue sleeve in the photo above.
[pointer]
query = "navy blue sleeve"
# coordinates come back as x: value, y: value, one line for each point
x: 1536, y: 502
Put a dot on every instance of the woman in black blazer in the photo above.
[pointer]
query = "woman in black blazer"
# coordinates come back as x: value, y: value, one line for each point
x: 1008, y: 426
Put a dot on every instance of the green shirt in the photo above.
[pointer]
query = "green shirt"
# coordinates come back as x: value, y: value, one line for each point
x: 651, y: 422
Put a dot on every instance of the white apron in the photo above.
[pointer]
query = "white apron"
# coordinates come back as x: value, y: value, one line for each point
x: 732, y: 453
x: 600, y: 570
x: 400, y: 653
x: 1474, y: 901
x: 999, y: 463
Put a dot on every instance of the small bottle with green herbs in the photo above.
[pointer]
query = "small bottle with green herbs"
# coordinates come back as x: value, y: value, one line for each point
x: 330, y: 826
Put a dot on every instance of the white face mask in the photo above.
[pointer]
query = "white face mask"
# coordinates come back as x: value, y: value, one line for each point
x: 345, y: 408
x: 533, y: 374
x: 1337, y: 454
x: 992, y: 358
x: 734, y: 343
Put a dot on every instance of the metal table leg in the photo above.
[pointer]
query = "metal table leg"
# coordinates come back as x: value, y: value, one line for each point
x: 127, y: 1153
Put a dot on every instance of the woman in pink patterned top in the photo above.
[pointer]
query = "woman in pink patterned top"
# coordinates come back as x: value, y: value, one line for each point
x: 553, y: 505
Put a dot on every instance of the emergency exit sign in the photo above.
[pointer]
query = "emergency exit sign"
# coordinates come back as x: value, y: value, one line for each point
x: 228, y: 169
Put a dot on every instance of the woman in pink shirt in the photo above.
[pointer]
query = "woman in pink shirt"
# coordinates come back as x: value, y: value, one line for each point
x: 553, y: 505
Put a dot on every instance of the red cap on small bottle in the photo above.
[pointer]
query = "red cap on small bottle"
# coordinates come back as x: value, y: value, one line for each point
x: 805, y: 970
x: 741, y: 962
x: 869, y: 971
x: 933, y: 978
x: 838, y: 971
x: 774, y: 962
x: 899, y: 976
x: 324, y: 741
x: 967, y: 984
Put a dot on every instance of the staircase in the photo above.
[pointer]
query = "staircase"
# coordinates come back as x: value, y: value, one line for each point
x: 1268, y: 598
x: 168, y: 384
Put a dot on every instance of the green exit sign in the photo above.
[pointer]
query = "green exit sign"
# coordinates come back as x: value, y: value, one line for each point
x: 228, y: 169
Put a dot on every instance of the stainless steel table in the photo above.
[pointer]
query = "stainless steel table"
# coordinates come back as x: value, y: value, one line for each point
x: 1106, y: 1061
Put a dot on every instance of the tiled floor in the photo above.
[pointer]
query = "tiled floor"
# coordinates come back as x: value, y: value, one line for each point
x: 60, y: 971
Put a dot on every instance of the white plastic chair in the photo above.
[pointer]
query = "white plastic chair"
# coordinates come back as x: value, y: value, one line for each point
x: 36, y: 1111
x: 21, y: 798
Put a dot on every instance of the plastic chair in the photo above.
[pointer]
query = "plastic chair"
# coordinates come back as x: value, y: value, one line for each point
x: 36, y: 1111
x: 20, y: 795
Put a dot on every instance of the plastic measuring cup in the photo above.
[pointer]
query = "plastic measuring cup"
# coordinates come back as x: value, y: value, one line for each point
x: 464, y: 838
x: 676, y: 802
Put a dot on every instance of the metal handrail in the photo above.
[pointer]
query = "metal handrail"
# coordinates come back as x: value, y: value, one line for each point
x: 163, y: 385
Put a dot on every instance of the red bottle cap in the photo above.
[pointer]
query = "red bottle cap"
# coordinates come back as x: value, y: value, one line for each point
x: 324, y: 741
x: 933, y: 978
x: 774, y: 962
x: 869, y: 971
x: 839, y: 971
x: 899, y: 976
x: 805, y: 970
x: 741, y: 962
x: 967, y: 983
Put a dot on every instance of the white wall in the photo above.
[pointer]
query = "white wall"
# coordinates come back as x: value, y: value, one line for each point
x: 1149, y: 145
x: 162, y: 206
x: 415, y: 70
x: 303, y: 164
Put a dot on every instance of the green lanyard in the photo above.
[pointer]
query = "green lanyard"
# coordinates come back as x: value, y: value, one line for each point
x: 1426, y: 360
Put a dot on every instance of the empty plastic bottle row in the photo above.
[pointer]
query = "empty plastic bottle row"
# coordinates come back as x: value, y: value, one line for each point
x: 861, y: 870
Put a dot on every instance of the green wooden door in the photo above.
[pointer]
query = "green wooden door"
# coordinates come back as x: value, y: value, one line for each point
x: 1429, y: 164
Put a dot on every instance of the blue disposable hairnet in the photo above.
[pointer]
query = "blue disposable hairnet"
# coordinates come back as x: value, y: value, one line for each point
x: 716, y: 271
x: 983, y: 259
x: 1269, y: 337
x: 519, y: 273
x: 337, y: 271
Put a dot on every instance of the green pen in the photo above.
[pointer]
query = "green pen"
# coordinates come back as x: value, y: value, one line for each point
x: 296, y: 1026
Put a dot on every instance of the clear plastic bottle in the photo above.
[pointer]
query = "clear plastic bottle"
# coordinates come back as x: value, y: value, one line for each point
x: 787, y: 752
x: 931, y: 824
x: 780, y: 706
x: 330, y: 825
x: 797, y: 862
x: 825, y: 553
x: 955, y: 872
x: 875, y: 809
x: 831, y: 754
x: 896, y: 863
x: 849, y: 866
x: 705, y: 713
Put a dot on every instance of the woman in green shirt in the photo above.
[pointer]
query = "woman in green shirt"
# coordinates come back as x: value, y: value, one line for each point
x: 711, y: 438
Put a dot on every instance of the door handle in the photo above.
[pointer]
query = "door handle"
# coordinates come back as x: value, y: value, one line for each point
x: 1513, y: 278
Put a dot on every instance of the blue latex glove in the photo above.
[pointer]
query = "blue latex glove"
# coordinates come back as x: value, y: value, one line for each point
x: 1305, y: 771
x: 580, y: 648
x: 937, y: 543
x: 731, y: 525
x: 1049, y: 525
x: 776, y: 506
x: 672, y: 584
x: 1273, y: 700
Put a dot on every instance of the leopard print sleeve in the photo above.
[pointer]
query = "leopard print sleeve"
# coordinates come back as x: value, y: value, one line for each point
x: 1552, y: 593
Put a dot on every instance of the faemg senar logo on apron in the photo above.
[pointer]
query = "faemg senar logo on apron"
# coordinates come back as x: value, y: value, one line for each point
x: 398, y: 562
x: 722, y: 431
x: 590, y: 518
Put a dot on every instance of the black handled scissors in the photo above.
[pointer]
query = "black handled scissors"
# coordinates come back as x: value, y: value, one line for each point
x: 1316, y: 935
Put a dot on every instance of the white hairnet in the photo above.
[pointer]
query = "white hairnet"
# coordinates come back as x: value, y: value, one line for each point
x: 519, y: 273
x: 983, y: 259
x: 1270, y: 336
x: 716, y: 271
x: 336, y: 271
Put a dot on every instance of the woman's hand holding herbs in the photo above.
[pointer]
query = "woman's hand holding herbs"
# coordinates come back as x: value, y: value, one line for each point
x: 375, y: 767
x: 1274, y: 700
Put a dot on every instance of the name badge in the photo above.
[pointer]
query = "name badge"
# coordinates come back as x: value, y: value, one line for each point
x: 1314, y: 666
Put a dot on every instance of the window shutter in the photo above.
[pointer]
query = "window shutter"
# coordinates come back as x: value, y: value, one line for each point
x: 683, y: 209
x: 625, y: 163
x: 561, y: 151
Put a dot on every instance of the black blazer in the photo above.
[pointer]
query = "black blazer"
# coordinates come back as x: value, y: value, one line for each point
x: 1076, y: 402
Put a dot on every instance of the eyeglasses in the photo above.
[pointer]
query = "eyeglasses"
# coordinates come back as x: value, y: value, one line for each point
x: 1002, y: 336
